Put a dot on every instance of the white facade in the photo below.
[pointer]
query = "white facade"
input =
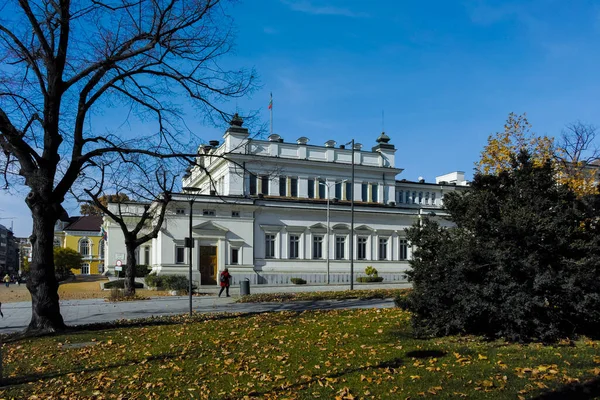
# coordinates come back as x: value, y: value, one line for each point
x: 262, y: 209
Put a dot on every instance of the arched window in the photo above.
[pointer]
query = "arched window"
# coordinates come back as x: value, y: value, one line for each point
x: 101, y: 249
x: 84, y: 248
x: 56, y: 242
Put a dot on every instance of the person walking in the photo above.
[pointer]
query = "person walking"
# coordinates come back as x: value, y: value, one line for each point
x: 224, y: 279
x: 6, y: 280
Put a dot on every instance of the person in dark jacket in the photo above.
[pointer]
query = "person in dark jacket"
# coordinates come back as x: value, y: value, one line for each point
x: 224, y: 279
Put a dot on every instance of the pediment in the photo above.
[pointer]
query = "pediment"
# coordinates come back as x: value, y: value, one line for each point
x: 319, y: 227
x: 341, y: 227
x: 210, y: 226
x: 364, y: 228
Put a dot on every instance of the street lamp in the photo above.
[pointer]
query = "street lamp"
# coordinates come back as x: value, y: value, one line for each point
x: 328, y: 187
x: 352, y: 221
x: 189, y: 241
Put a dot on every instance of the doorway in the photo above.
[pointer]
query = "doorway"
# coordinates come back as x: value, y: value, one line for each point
x: 208, y: 265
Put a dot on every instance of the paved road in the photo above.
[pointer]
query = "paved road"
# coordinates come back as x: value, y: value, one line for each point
x: 78, y: 312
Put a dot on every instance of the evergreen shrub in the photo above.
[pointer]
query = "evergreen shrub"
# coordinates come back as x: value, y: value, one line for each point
x: 521, y: 262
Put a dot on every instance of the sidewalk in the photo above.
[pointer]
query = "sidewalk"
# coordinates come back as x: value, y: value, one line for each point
x: 77, y: 312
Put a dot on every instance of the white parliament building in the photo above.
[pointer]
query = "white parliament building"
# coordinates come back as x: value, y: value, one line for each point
x: 271, y: 210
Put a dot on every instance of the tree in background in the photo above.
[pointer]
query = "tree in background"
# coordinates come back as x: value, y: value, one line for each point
x: 577, y: 158
x: 521, y: 262
x: 573, y: 156
x: 65, y: 260
x: 64, y: 61
x: 92, y: 209
x: 502, y: 147
x: 149, y: 187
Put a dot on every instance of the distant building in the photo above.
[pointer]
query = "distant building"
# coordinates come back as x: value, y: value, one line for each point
x: 270, y: 210
x: 24, y: 251
x: 9, y: 249
x: 82, y: 234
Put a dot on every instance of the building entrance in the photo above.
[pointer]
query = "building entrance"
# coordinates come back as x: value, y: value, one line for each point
x: 208, y: 265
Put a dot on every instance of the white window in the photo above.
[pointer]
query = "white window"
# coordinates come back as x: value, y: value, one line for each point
x: 407, y: 197
x: 403, y: 253
x: 311, y: 188
x: 340, y: 247
x: 374, y: 193
x: 420, y: 197
x: 264, y: 184
x: 365, y: 192
x: 362, y: 248
x: 253, y: 184
x: 414, y: 197
x: 282, y: 186
x: 294, y: 187
x: 180, y: 211
x: 294, y: 246
x: 209, y: 212
x: 179, y: 254
x: 338, y: 190
x: 84, y: 248
x: 235, y: 214
x: 383, y: 248
x: 348, y: 194
x: 426, y: 197
x: 147, y: 255
x: 269, y: 246
x: 101, y: 249
x: 433, y: 199
x: 400, y: 197
x: 235, y: 256
x: 85, y: 269
x: 317, y: 247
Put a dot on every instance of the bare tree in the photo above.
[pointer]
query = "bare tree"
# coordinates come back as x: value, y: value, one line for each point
x: 577, y: 157
x: 141, y: 217
x: 63, y: 61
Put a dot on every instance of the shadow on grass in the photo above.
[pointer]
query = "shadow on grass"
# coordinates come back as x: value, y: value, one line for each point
x: 574, y: 391
x: 393, y: 363
x: 129, y: 323
x: 426, y: 354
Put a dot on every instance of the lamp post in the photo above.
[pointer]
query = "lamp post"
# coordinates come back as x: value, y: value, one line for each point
x: 327, y: 188
x: 190, y: 241
x: 352, y: 222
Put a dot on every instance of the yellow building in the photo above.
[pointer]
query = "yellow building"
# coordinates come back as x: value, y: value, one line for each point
x: 84, y: 235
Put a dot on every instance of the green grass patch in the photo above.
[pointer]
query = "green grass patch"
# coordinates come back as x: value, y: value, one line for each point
x: 314, y: 296
x: 318, y: 354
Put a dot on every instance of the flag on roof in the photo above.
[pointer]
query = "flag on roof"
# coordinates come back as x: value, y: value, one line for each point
x: 103, y: 233
x: 271, y: 102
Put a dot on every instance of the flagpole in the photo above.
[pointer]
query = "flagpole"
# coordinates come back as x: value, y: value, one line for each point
x: 271, y: 110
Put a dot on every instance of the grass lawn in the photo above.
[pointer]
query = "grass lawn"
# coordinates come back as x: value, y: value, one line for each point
x: 82, y: 287
x: 350, y: 354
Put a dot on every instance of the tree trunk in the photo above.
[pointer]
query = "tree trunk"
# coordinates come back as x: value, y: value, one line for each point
x: 42, y: 283
x: 130, y: 269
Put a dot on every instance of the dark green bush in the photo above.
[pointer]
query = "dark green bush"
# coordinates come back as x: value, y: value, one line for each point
x: 521, y: 262
x: 168, y: 282
x: 365, y: 279
x: 153, y: 280
x: 120, y: 284
x: 141, y: 271
x: 175, y: 282
x: 298, y: 281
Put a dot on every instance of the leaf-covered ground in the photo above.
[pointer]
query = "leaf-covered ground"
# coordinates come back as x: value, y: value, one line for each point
x: 351, y: 354
x: 314, y: 296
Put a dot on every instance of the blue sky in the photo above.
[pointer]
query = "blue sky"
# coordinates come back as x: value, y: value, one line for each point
x: 445, y: 73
